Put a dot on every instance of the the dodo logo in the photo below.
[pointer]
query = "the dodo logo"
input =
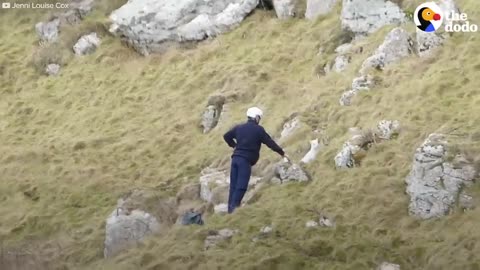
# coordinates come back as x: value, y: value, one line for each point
x: 428, y: 17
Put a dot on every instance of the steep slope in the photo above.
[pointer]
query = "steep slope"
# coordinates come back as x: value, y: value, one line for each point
x: 114, y: 121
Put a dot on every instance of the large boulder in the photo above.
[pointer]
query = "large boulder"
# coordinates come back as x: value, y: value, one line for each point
x: 397, y: 45
x: 151, y: 25
x: 317, y: 8
x: 286, y: 172
x: 363, y: 17
x: 135, y: 218
x: 212, y: 113
x: 434, y: 183
x: 87, y: 44
x: 48, y: 31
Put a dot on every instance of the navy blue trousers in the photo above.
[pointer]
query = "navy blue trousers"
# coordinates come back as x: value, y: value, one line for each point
x: 239, y: 176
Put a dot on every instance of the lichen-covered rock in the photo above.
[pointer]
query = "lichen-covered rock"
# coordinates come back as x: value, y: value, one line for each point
x: 362, y: 83
x: 286, y: 172
x: 339, y: 64
x: 317, y: 8
x: 386, y: 129
x: 215, y: 237
x: 87, y: 44
x: 151, y: 26
x: 427, y: 42
x: 284, y: 8
x: 315, y: 148
x: 126, y: 227
x: 212, y: 113
x: 48, y: 31
x: 52, y: 69
x: 388, y: 266
x: 397, y: 45
x: 345, y: 158
x: 434, y: 184
x: 363, y: 17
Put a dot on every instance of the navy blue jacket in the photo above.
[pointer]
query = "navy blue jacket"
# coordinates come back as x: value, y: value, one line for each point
x: 247, y: 140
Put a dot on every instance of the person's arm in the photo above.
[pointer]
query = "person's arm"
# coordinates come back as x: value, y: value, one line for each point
x: 229, y: 138
x: 268, y: 141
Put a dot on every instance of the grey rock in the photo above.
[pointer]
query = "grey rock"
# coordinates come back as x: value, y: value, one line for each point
x: 125, y: 229
x: 152, y: 26
x: 87, y: 44
x: 48, y: 31
x: 363, y: 17
x: 345, y: 158
x: 284, y: 8
x: 217, y: 237
x: 435, y: 184
x: 362, y: 83
x: 427, y: 42
x: 286, y: 172
x: 386, y: 129
x: 341, y: 63
x: 388, y: 266
x: 324, y: 221
x: 52, y: 69
x: 266, y: 230
x: 465, y: 201
x: 344, y: 48
x: 212, y: 113
x: 317, y: 8
x: 397, y: 45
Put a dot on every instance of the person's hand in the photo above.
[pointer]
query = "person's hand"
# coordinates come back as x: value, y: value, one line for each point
x: 287, y: 158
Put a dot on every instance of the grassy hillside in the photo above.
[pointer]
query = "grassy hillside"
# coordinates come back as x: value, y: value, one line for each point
x: 114, y: 121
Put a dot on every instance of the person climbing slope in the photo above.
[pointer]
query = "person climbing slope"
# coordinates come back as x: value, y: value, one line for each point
x: 246, y: 140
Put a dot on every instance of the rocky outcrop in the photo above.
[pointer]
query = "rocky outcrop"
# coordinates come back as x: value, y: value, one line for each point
x: 435, y: 184
x: 87, y: 44
x: 397, y: 45
x: 363, y: 17
x: 388, y: 266
x: 362, y: 83
x: 48, y: 31
x: 340, y: 63
x: 216, y: 237
x: 356, y: 147
x: 317, y: 8
x: 52, y: 69
x: 127, y: 226
x: 286, y: 172
x: 152, y: 26
x: 427, y: 42
x: 315, y: 148
x: 212, y: 113
x: 386, y: 129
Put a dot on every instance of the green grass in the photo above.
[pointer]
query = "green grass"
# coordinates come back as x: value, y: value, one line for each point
x: 114, y: 121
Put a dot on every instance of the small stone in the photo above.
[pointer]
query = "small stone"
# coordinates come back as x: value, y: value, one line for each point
x: 311, y: 224
x: 266, y: 230
x: 388, y: 266
x: 87, y: 44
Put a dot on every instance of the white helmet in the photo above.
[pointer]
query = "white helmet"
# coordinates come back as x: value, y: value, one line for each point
x: 253, y: 112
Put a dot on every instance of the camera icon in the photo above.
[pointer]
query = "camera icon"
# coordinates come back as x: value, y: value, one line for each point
x: 5, y: 5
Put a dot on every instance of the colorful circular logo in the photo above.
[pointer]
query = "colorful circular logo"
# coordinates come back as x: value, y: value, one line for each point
x: 428, y: 17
